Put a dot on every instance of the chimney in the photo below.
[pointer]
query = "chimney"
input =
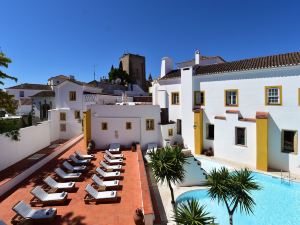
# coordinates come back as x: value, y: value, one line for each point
x: 197, y: 57
x: 166, y: 66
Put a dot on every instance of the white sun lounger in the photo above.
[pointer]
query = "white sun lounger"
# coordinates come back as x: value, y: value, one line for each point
x: 67, y: 176
x: 115, y: 147
x: 79, y: 161
x: 94, y: 195
x: 44, y: 197
x: 25, y: 211
x: 150, y: 147
x: 110, y: 167
x: 114, y: 156
x: 102, y: 183
x: 71, y: 168
x: 56, y: 185
x: 82, y: 156
x: 113, y: 161
x: 108, y: 174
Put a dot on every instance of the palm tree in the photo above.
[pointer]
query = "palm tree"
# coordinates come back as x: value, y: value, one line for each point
x: 191, y: 213
x: 233, y: 189
x: 167, y: 165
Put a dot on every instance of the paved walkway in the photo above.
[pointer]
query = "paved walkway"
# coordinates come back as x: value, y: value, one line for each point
x: 76, y: 211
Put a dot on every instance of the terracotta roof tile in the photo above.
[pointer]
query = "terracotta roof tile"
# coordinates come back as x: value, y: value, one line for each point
x: 287, y: 59
x: 31, y: 86
x: 262, y: 115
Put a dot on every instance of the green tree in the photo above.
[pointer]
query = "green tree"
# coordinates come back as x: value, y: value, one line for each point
x: 9, y: 127
x: 233, y: 189
x: 115, y: 73
x: 167, y: 164
x: 192, y: 213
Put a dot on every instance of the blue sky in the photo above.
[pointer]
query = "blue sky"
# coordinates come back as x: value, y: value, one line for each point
x: 47, y: 38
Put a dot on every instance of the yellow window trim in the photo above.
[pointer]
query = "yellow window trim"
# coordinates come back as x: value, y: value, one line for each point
x: 172, y: 94
x: 170, y: 132
x: 128, y: 126
x: 62, y: 116
x: 237, y: 97
x: 147, y: 128
x: 104, y: 126
x: 77, y: 114
x: 71, y: 93
x: 280, y: 95
x: 195, y: 93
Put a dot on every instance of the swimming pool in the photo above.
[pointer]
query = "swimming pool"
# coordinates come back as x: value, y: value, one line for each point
x: 276, y: 204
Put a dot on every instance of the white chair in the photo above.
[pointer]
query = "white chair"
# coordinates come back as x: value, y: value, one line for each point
x: 26, y: 212
x: 94, y: 195
x: 40, y: 196
x: 150, y: 147
x: 67, y: 176
x: 56, y: 185
x: 104, y: 184
x: 115, y: 147
x: 71, y: 168
x: 108, y: 174
x: 82, y: 156
x: 110, y: 167
x: 114, y: 156
x: 79, y: 161
x: 113, y: 161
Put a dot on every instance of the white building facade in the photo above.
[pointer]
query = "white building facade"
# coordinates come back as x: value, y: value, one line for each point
x: 244, y: 111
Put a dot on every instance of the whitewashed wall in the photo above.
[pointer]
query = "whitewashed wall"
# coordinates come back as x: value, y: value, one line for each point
x: 224, y: 142
x: 175, y: 138
x: 116, y: 117
x: 27, y: 93
x: 251, y: 85
x: 32, y: 139
x: 73, y: 126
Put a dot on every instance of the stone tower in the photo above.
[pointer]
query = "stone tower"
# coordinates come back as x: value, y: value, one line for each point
x: 135, y: 66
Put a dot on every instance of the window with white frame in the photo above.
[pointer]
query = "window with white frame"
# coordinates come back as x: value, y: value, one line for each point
x: 231, y: 97
x: 273, y: 95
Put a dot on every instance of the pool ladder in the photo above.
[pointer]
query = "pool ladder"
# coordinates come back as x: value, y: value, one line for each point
x: 288, y: 177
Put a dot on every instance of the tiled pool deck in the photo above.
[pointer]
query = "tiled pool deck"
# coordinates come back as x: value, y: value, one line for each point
x: 76, y: 211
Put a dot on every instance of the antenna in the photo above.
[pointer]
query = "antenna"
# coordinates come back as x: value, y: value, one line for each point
x: 94, y: 72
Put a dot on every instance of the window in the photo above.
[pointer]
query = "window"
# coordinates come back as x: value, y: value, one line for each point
x: 103, y: 126
x: 179, y: 126
x: 289, y: 141
x: 21, y: 94
x: 210, y: 131
x: 231, y: 97
x: 175, y: 98
x: 128, y: 125
x: 72, y: 95
x: 273, y: 95
x: 199, y: 98
x: 63, y: 127
x: 149, y: 124
x: 240, y: 136
x: 77, y: 114
x: 170, y: 132
x: 62, y: 116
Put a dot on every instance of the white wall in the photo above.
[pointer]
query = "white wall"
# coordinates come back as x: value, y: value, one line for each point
x: 73, y: 126
x: 32, y: 139
x: 224, y: 142
x: 251, y: 85
x: 27, y: 93
x: 116, y: 117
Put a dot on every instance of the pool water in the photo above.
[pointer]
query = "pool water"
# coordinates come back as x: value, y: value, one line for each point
x: 276, y: 204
